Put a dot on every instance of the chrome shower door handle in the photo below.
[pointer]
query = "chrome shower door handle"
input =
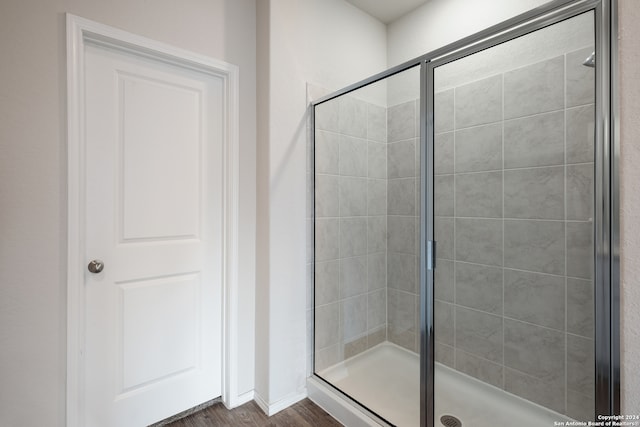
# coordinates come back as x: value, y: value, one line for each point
x: 95, y: 266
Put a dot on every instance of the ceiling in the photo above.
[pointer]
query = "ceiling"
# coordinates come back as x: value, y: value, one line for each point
x: 387, y: 11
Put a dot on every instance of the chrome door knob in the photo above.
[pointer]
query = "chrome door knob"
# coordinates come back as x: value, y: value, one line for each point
x: 96, y: 266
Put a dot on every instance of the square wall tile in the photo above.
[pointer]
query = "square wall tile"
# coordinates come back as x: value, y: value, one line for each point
x: 580, y: 407
x: 535, y: 298
x: 479, y: 287
x: 445, y: 354
x: 327, y: 357
x: 534, y: 246
x: 443, y: 322
x: 377, y: 154
x: 353, y: 196
x: 443, y: 198
x: 484, y: 370
x: 353, y: 116
x: 327, y: 239
x: 443, y: 153
x: 534, y: 350
x: 377, y: 197
x: 353, y: 237
x: 580, y: 249
x: 580, y: 365
x: 548, y: 393
x: 536, y: 193
x: 376, y: 308
x: 533, y: 89
x: 354, y: 317
x: 580, y: 307
x: 479, y: 102
x: 401, y: 196
x: 581, y: 134
x: 479, y: 333
x: 376, y: 123
x: 479, y: 195
x: 377, y: 335
x: 353, y: 276
x: 479, y: 149
x: 327, y: 325
x: 401, y: 159
x: 401, y: 122
x: 353, y: 156
x: 401, y: 319
x: 444, y: 236
x: 327, y: 282
x: 327, y: 151
x: 534, y: 141
x: 580, y: 192
x: 327, y: 116
x: 401, y: 272
x: 581, y: 83
x: 327, y: 196
x: 355, y: 346
x: 401, y: 234
x: 443, y: 114
x: 479, y: 241
x: 443, y: 282
x: 376, y: 234
x: 377, y: 268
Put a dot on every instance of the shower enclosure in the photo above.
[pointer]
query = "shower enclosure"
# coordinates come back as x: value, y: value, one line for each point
x: 465, y: 231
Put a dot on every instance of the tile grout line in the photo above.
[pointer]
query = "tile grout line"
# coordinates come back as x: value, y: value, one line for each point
x: 453, y: 255
x: 566, y: 293
x: 504, y: 373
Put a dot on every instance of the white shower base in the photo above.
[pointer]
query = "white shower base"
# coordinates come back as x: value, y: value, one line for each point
x: 386, y: 379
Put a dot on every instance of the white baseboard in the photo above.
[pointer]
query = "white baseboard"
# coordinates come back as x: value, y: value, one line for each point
x: 239, y: 400
x: 245, y: 398
x: 274, y: 408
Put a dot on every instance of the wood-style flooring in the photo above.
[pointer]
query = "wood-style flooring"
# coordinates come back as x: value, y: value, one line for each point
x: 302, y: 414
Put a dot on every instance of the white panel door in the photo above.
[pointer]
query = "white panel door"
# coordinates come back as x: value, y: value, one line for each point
x: 154, y: 134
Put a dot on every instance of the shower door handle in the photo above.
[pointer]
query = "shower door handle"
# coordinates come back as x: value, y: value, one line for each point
x: 431, y: 254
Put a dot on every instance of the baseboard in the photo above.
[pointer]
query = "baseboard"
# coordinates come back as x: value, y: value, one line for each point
x: 245, y: 398
x: 261, y: 403
x: 274, y: 408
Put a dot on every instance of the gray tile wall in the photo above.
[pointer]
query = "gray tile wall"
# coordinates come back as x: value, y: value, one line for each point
x: 403, y: 225
x: 514, y: 178
x: 351, y: 229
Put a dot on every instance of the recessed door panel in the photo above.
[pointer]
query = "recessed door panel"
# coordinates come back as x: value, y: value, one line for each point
x: 161, y: 133
x: 160, y: 329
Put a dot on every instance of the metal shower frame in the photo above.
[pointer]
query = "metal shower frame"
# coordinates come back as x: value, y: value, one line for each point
x: 606, y: 236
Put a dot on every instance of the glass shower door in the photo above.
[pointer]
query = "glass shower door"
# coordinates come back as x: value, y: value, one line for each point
x: 367, y: 225
x: 514, y: 161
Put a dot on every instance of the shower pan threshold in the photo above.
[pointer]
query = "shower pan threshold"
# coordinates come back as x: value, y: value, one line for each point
x: 386, y: 379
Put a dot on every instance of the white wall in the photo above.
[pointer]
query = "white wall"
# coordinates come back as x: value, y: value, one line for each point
x: 440, y: 22
x: 331, y: 44
x: 629, y: 49
x: 33, y: 178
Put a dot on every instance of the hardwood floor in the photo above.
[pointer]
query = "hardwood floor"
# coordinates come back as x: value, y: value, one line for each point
x: 302, y: 414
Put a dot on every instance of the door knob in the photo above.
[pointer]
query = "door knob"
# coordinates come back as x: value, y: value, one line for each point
x: 95, y: 266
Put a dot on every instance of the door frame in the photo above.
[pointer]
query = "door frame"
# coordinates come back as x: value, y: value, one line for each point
x: 80, y: 32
